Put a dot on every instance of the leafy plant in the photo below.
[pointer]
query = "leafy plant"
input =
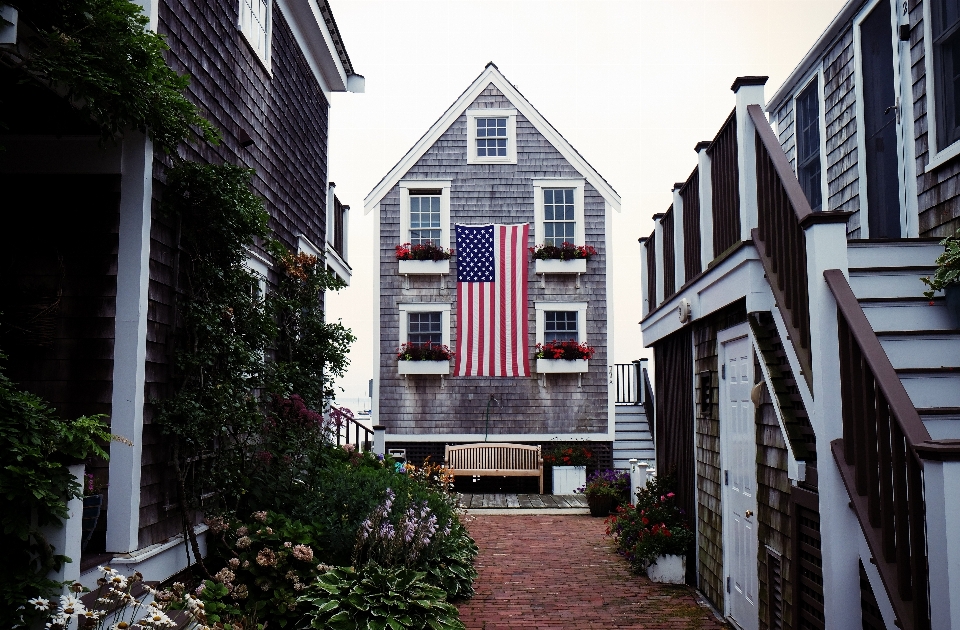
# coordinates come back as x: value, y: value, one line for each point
x: 948, y: 266
x: 449, y: 563
x: 566, y: 251
x: 608, y: 483
x: 422, y: 251
x: 101, y: 57
x: 378, y: 597
x: 424, y: 352
x: 568, y: 455
x: 568, y: 350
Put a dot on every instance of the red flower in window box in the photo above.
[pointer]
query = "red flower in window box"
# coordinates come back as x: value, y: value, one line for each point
x: 424, y: 352
x: 422, y: 251
x: 568, y: 350
x: 566, y: 251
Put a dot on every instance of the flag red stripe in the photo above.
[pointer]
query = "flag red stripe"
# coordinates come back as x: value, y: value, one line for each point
x: 525, y: 362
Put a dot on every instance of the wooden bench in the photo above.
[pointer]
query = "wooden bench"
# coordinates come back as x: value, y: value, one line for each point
x: 492, y: 459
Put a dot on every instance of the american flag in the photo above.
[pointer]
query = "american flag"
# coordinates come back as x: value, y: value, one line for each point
x: 492, y: 300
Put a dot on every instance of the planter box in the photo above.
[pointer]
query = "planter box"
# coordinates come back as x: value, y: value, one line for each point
x: 668, y: 569
x: 562, y: 366
x: 424, y: 267
x: 423, y: 367
x: 578, y: 265
x: 566, y: 479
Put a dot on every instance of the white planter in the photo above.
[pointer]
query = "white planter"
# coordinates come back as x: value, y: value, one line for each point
x: 562, y: 366
x: 668, y: 569
x: 566, y: 479
x: 577, y: 265
x: 423, y: 367
x: 424, y: 267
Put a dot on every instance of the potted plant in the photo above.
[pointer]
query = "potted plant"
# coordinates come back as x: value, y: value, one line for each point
x: 569, y: 462
x: 653, y: 534
x: 947, y: 276
x: 427, y: 358
x: 423, y: 258
x: 92, y: 506
x: 563, y: 357
x: 566, y: 258
x: 605, y: 490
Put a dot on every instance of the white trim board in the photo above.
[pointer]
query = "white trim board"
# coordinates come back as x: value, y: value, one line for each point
x: 499, y: 437
x: 490, y: 76
x: 313, y: 37
x: 577, y: 184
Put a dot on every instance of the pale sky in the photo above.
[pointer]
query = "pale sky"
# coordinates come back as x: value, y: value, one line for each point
x: 633, y: 86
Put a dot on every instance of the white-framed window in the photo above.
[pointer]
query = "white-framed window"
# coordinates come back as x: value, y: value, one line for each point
x: 491, y: 136
x: 259, y: 267
x: 561, y: 321
x: 558, y: 211
x: 424, y: 322
x: 425, y: 212
x: 807, y: 119
x: 941, y: 19
x: 256, y: 24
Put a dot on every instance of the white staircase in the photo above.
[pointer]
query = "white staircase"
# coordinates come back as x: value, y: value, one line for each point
x: 633, y: 439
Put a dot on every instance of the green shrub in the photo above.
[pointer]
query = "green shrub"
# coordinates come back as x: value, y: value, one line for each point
x: 449, y: 564
x: 378, y: 598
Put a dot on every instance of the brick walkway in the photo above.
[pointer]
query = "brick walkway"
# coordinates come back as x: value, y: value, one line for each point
x: 554, y: 572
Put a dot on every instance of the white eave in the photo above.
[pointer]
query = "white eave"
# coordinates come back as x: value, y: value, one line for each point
x: 491, y: 76
x: 318, y: 37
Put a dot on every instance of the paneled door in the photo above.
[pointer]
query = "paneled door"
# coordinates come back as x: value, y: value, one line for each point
x: 739, y: 461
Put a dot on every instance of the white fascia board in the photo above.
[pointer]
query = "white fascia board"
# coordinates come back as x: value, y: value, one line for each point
x: 314, y: 39
x: 338, y: 264
x: 490, y: 75
x: 729, y: 281
x: 498, y: 437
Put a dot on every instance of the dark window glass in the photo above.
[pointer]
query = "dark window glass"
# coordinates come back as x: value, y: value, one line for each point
x: 808, y: 144
x: 424, y: 328
x: 491, y: 137
x: 560, y: 326
x: 946, y: 64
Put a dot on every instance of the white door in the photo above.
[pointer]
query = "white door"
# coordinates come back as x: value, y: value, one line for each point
x: 739, y: 459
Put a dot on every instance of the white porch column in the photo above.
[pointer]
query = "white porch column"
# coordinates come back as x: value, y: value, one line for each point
x: 706, y: 204
x: 827, y: 249
x: 130, y: 343
x: 659, y: 258
x: 679, y: 268
x: 644, y: 283
x: 749, y: 91
x: 331, y: 195
x: 345, y: 254
x: 66, y: 539
x: 941, y: 486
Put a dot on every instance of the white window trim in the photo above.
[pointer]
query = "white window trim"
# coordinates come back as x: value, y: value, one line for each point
x: 822, y: 115
x: 268, y: 43
x: 260, y: 267
x: 580, y: 307
x: 425, y: 307
x: 406, y: 185
x: 577, y: 185
x: 936, y: 158
x: 511, y: 116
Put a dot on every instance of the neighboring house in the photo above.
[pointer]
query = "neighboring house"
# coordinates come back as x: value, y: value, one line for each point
x: 492, y: 160
x: 808, y: 395
x: 91, y: 268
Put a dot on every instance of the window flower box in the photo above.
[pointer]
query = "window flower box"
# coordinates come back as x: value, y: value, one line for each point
x: 423, y: 367
x: 576, y: 265
x: 562, y: 366
x: 424, y: 267
x: 424, y: 259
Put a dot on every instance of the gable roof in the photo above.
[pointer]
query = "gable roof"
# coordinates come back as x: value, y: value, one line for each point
x: 491, y: 76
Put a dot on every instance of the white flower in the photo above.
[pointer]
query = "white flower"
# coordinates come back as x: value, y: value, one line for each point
x: 120, y: 625
x: 71, y: 606
x: 156, y: 618
x: 40, y: 603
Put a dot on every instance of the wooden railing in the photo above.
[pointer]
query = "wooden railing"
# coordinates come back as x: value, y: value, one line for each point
x: 690, y: 194
x: 629, y: 391
x: 725, y: 183
x: 652, y: 271
x: 338, y: 212
x: 669, y: 255
x: 779, y: 237
x: 878, y: 460
x: 344, y: 423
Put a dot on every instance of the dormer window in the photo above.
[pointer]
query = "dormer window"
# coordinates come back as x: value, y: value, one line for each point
x: 491, y: 136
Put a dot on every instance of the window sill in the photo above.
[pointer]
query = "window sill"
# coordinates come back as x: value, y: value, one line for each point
x: 577, y: 265
x: 423, y: 367
x: 943, y: 157
x: 562, y: 366
x: 424, y: 267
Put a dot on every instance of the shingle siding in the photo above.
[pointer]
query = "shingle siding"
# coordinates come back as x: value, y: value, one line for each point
x: 493, y: 193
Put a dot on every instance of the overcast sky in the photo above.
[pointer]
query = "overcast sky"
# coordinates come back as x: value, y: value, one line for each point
x: 633, y: 86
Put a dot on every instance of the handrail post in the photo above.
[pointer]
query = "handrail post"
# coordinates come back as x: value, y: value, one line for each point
x: 659, y: 250
x: 941, y: 487
x: 706, y: 204
x: 379, y: 440
x: 749, y: 91
x: 645, y: 307
x: 680, y: 271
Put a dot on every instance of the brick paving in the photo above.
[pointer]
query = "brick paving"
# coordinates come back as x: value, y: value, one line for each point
x: 556, y: 572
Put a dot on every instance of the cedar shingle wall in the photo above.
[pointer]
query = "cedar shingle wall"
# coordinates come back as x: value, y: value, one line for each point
x: 488, y: 193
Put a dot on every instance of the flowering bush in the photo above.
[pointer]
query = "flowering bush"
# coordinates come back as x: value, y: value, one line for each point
x: 423, y: 251
x: 568, y: 455
x: 609, y: 483
x: 424, y: 352
x: 654, y: 527
x: 566, y: 251
x: 434, y: 476
x: 397, y: 537
x: 569, y: 350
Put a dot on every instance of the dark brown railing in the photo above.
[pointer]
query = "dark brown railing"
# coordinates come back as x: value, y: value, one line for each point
x: 690, y: 194
x: 344, y: 423
x: 338, y: 213
x: 652, y: 271
x: 780, y: 239
x: 669, y: 255
x: 725, y: 184
x: 878, y: 460
x: 628, y: 384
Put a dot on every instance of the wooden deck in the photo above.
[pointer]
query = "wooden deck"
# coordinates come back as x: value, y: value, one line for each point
x: 524, y: 501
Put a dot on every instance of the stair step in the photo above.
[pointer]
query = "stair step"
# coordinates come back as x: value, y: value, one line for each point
x: 943, y: 423
x: 904, y: 253
x: 888, y: 282
x: 932, y: 387
x: 920, y: 349
x: 632, y: 444
x: 916, y: 314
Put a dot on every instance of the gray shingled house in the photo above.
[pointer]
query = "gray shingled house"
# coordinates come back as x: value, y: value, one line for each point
x: 493, y: 160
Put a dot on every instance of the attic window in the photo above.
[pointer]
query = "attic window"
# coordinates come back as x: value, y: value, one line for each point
x: 491, y: 136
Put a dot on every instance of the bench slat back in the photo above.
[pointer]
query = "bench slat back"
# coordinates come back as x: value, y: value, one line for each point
x: 493, y: 456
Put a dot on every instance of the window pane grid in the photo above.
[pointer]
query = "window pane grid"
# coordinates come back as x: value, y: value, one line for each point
x: 254, y: 22
x: 424, y: 220
x: 560, y: 326
x: 559, y: 224
x: 424, y: 328
x: 808, y: 145
x: 491, y: 137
